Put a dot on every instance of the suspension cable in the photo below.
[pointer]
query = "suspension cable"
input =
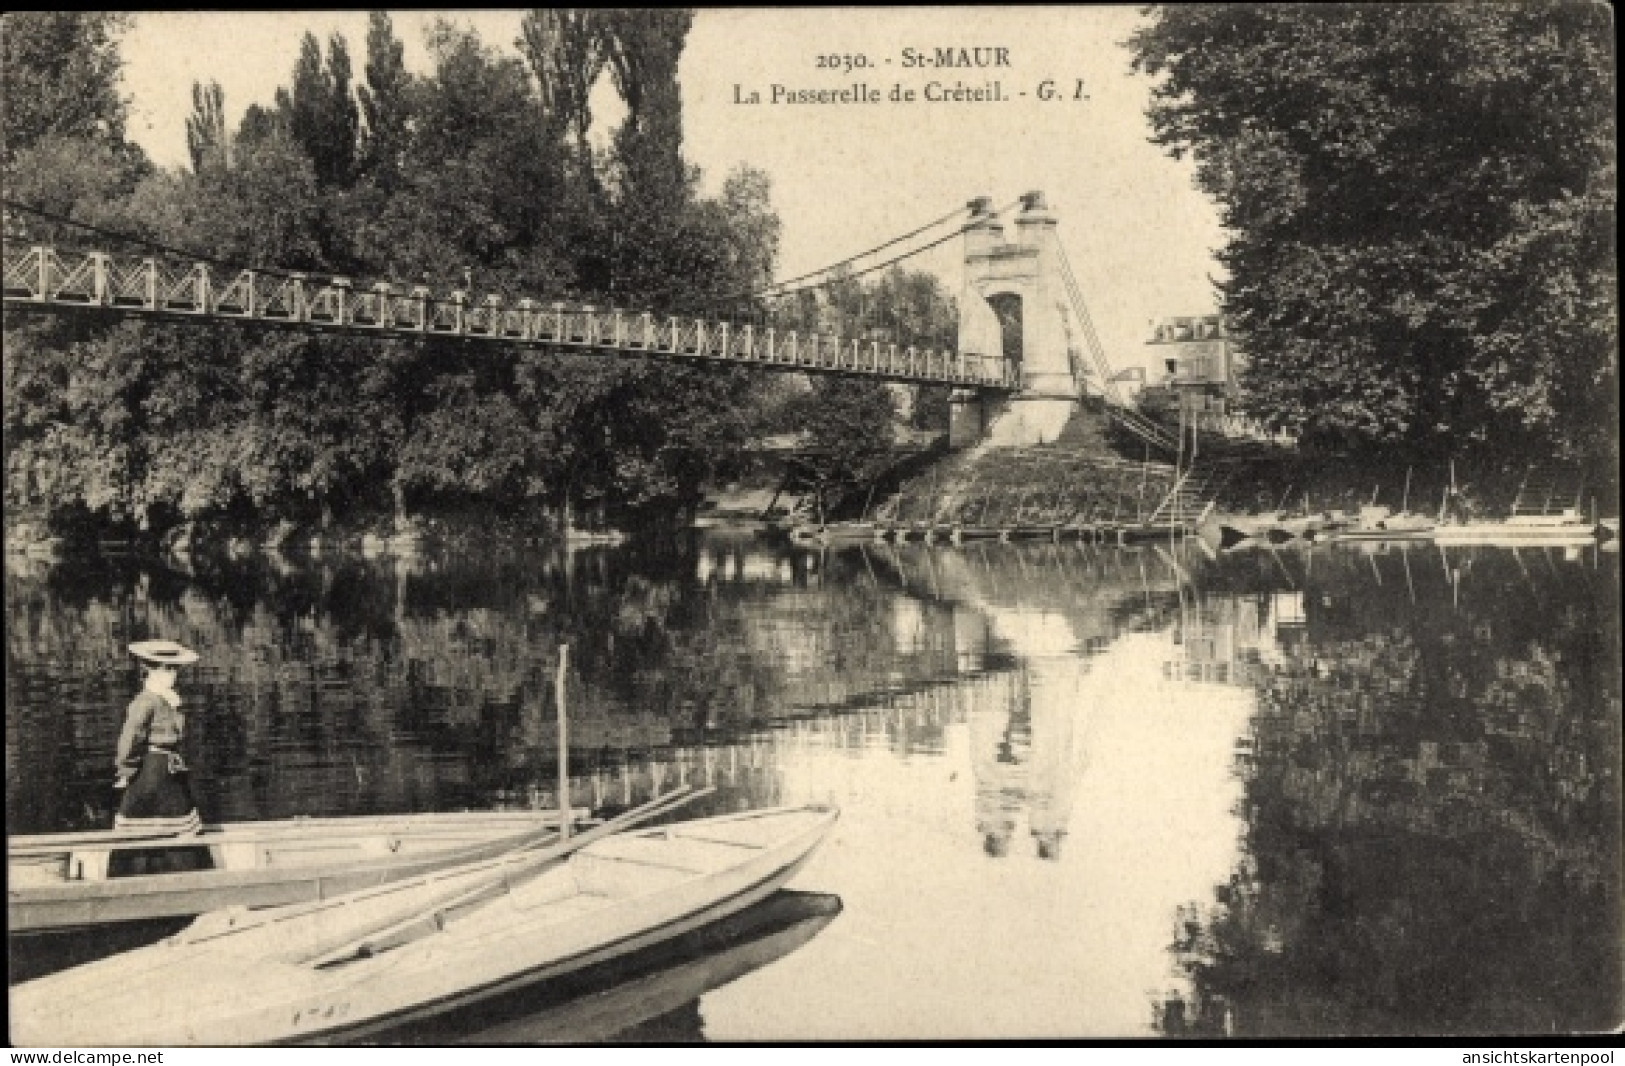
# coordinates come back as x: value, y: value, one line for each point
x: 1086, y: 321
x: 897, y: 258
x: 770, y: 290
x: 878, y: 266
x: 1142, y: 427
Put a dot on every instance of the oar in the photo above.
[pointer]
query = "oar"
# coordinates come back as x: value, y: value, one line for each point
x: 208, y: 927
x: 395, y: 932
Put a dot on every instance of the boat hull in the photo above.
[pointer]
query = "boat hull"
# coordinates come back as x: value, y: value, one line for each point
x: 1398, y: 532
x: 1513, y: 534
x: 670, y: 930
x: 618, y: 895
x: 62, y: 883
x: 686, y: 969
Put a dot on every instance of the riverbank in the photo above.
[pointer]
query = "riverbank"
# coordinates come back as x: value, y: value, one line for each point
x: 32, y: 532
x: 976, y: 486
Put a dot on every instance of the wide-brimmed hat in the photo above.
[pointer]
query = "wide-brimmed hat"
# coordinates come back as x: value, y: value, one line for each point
x: 163, y: 653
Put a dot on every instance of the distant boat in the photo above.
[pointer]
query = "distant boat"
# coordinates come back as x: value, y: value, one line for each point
x: 65, y: 881
x: 1277, y: 527
x: 1568, y: 528
x: 370, y: 961
x: 593, y: 536
x: 1546, y: 511
x: 1227, y: 531
x: 1377, y: 522
x: 835, y: 533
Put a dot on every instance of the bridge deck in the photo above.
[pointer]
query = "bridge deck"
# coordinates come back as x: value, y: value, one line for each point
x: 41, y: 277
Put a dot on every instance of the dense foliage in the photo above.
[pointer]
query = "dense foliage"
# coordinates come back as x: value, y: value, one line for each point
x: 849, y: 425
x: 1421, y: 205
x: 479, y: 175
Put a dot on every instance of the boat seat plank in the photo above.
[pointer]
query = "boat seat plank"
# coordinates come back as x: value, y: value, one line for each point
x: 651, y: 864
x: 720, y: 840
x: 678, y: 853
x: 759, y: 831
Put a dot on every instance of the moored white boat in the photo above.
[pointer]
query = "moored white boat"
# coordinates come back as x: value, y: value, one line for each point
x: 62, y: 881
x: 708, y: 958
x: 1376, y: 522
x: 362, y: 963
x: 1567, y: 528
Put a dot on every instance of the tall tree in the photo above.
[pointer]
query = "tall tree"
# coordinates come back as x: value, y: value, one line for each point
x: 1422, y: 204
x: 384, y: 104
x: 206, y: 139
x: 567, y: 50
x: 322, y: 113
x: 644, y: 48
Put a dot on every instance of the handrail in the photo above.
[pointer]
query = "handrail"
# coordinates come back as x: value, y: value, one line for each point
x: 43, y: 277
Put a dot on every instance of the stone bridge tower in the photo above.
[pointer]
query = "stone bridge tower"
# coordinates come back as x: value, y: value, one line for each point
x: 1015, y: 302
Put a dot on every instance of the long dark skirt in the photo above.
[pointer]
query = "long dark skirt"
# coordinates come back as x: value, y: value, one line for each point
x: 160, y: 799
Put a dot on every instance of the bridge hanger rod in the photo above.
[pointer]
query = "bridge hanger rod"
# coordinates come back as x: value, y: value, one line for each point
x: 434, y: 301
x: 314, y: 276
x: 38, y: 278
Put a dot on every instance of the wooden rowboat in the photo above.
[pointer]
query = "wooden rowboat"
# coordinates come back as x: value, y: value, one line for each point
x: 1568, y: 529
x: 612, y: 997
x: 353, y: 966
x: 64, y: 881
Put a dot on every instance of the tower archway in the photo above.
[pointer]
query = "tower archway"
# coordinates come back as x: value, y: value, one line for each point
x: 1015, y: 305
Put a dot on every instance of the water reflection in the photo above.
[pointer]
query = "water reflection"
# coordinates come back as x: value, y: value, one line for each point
x: 1087, y: 791
x: 1433, y: 808
x: 652, y: 996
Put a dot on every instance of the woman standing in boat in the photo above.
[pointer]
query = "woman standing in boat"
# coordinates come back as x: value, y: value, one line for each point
x: 152, y: 777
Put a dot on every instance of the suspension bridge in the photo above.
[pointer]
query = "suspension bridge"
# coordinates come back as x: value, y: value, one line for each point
x: 1018, y: 368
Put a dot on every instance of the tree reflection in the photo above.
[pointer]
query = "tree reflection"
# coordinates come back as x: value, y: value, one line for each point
x: 1433, y: 814
x: 353, y: 685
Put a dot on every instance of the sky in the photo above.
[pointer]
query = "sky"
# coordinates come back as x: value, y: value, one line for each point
x: 845, y: 176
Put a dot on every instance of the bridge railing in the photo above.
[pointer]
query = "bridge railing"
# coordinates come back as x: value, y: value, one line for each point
x: 43, y: 276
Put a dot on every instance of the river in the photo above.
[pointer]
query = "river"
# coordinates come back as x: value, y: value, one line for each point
x: 1086, y: 791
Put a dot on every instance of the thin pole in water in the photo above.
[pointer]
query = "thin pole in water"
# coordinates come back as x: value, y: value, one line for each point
x: 564, y: 746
